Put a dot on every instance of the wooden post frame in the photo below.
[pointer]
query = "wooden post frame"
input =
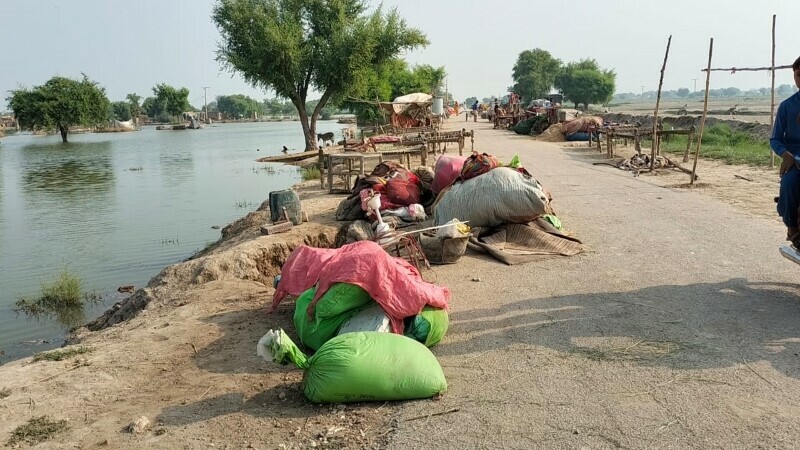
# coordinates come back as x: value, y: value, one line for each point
x: 655, y: 145
x: 705, y: 113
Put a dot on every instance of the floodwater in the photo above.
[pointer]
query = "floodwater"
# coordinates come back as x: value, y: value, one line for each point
x: 117, y: 208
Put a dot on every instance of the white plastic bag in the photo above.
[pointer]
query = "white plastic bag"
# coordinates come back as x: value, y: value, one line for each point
x: 370, y: 319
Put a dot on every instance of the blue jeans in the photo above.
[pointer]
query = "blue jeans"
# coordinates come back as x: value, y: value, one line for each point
x: 789, y: 200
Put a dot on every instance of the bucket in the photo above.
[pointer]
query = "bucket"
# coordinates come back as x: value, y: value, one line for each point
x: 288, y: 199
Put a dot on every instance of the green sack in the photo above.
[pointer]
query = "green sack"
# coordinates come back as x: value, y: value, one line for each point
x: 341, y: 302
x: 429, y: 326
x: 361, y: 366
x: 341, y: 297
x: 372, y: 366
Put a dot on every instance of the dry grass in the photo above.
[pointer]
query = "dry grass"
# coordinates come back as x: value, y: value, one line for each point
x: 642, y: 350
x: 38, y: 429
x: 61, y: 354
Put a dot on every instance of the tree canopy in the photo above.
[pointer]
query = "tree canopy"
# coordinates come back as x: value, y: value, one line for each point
x: 121, y: 110
x: 133, y: 102
x: 293, y: 47
x: 583, y: 82
x: 167, y: 103
x: 60, y: 103
x: 394, y: 79
x: 534, y: 74
x: 238, y: 106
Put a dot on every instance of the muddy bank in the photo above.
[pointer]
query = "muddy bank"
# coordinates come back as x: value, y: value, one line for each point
x: 757, y: 130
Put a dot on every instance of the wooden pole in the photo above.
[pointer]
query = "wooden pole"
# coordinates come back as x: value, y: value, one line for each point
x: 772, y: 104
x: 655, y: 149
x: 705, y: 113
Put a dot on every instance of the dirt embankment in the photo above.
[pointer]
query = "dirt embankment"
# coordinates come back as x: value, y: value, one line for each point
x: 241, y: 253
x: 757, y: 130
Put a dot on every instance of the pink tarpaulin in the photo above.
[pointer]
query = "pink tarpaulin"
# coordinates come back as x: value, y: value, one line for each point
x: 392, y: 282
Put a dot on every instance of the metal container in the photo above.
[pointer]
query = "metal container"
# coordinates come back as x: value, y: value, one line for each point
x: 438, y: 106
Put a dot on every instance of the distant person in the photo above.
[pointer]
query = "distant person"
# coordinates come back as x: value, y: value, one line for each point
x: 475, y: 111
x: 285, y: 150
x: 785, y: 143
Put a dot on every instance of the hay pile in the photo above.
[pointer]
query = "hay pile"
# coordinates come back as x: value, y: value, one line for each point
x: 554, y: 133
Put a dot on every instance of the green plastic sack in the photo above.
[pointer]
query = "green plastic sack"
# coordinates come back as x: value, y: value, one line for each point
x: 515, y: 162
x: 429, y: 326
x: 341, y: 302
x: 362, y: 366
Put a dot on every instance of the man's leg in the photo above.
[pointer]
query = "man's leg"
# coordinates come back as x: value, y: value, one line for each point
x: 789, y: 200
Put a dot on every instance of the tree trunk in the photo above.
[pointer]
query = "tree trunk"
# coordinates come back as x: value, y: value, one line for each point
x: 308, y: 133
x: 315, y: 114
x: 586, y: 106
x: 63, y: 130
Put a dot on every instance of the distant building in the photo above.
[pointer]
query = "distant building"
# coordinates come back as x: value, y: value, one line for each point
x: 8, y: 121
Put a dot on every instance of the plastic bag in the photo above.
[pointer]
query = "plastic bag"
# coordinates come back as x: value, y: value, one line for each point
x: 372, y: 318
x: 363, y: 366
x: 341, y: 302
x: 453, y: 229
x: 429, y: 326
x: 515, y: 162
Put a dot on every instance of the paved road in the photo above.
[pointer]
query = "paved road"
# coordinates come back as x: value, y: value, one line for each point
x: 678, y: 328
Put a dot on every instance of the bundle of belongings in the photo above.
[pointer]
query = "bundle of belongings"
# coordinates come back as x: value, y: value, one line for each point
x: 403, y: 193
x: 369, y: 316
x: 509, y: 211
x: 579, y: 129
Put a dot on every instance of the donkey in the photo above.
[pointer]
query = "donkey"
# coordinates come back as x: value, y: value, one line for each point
x: 325, y: 137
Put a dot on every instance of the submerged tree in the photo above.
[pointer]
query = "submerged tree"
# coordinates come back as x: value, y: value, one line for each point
x: 293, y: 47
x: 534, y: 74
x: 60, y: 103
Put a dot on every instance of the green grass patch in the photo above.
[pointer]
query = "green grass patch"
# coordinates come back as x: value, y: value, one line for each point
x: 61, y: 354
x: 38, y: 429
x: 311, y: 173
x: 63, y: 298
x: 722, y: 142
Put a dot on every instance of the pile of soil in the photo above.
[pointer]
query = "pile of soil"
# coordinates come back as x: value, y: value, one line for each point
x: 554, y: 133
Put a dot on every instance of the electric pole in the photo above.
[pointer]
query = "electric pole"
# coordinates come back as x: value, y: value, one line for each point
x: 205, y: 100
x: 695, y: 84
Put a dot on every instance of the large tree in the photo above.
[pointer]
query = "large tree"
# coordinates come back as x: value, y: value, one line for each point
x: 60, y: 103
x: 583, y: 82
x: 121, y: 110
x: 534, y: 74
x: 169, y: 101
x: 238, y: 105
x: 294, y: 47
x: 133, y: 102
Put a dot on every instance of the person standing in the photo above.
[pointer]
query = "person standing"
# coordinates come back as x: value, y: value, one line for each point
x: 475, y: 111
x: 785, y: 142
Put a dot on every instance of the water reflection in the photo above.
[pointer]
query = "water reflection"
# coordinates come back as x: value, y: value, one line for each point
x: 86, y: 169
x: 177, y: 168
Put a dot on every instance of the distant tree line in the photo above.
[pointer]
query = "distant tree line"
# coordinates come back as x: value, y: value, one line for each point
x: 784, y: 90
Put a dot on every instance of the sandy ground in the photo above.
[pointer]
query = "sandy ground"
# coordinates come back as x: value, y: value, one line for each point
x: 676, y: 329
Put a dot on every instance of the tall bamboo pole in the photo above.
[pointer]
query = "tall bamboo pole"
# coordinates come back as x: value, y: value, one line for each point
x: 655, y: 145
x: 705, y: 113
x: 772, y: 104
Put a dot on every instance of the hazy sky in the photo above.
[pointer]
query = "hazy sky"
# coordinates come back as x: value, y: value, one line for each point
x: 131, y: 46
